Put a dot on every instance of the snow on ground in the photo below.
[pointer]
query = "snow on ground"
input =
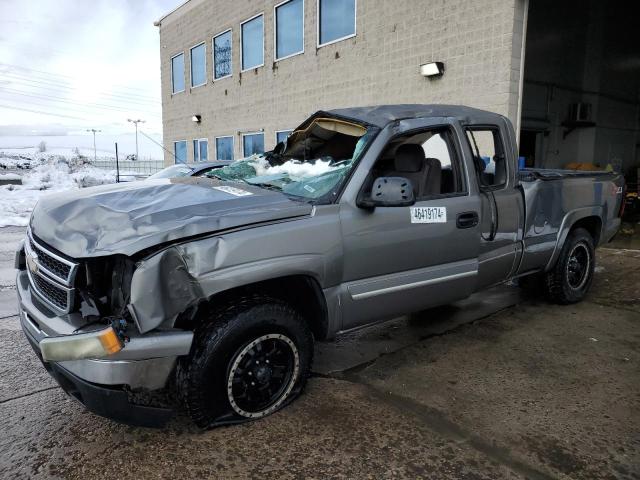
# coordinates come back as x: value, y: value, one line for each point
x: 65, y: 144
x: 44, y: 173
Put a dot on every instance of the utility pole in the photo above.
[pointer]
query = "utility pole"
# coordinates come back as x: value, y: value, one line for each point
x: 117, y: 165
x: 136, y: 122
x: 94, y: 131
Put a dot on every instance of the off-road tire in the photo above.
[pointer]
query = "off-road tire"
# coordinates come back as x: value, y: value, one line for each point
x: 557, y: 283
x: 202, y: 377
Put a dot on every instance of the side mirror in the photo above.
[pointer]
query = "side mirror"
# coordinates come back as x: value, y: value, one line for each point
x: 389, y: 192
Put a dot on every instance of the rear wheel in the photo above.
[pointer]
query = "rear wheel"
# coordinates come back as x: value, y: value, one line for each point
x: 251, y: 359
x: 571, y: 277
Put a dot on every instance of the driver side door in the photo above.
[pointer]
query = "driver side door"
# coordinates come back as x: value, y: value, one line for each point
x: 397, y: 260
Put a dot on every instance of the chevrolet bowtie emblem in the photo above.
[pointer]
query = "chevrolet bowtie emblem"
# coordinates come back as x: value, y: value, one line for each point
x: 31, y: 263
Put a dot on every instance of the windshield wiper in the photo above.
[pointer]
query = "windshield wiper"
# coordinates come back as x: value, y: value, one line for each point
x: 266, y: 186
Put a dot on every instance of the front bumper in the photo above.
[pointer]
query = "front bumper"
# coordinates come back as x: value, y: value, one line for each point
x: 145, y: 363
x: 109, y: 402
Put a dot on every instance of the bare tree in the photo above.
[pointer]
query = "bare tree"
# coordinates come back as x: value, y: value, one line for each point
x: 223, y: 60
x: 42, y: 146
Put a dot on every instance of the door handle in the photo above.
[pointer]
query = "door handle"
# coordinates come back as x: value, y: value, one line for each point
x: 467, y: 220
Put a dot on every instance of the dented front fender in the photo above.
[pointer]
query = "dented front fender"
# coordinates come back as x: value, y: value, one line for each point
x: 161, y: 289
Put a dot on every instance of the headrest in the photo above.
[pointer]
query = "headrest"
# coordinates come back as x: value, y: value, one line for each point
x: 409, y: 158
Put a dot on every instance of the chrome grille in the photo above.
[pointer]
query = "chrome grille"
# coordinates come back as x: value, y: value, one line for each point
x: 51, y: 292
x: 50, y: 275
x: 54, y: 266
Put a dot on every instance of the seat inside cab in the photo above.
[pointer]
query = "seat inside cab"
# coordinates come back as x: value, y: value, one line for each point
x: 424, y: 158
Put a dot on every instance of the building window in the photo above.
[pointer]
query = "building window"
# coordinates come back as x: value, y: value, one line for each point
x: 289, y: 28
x: 222, y: 55
x: 198, y: 65
x: 200, y: 150
x: 177, y: 73
x: 252, y: 143
x: 337, y: 20
x: 252, y: 42
x: 281, y: 135
x: 224, y: 148
x: 180, y: 151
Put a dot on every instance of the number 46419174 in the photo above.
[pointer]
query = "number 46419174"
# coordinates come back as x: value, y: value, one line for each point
x: 428, y: 215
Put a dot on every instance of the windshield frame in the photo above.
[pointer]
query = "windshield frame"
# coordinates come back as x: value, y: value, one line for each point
x: 334, y: 194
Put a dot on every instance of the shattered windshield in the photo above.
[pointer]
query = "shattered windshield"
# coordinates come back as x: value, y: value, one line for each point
x: 312, y: 163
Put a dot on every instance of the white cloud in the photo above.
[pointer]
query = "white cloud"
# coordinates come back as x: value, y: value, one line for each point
x: 92, y: 63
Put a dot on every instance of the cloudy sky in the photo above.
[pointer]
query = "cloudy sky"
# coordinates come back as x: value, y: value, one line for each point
x: 69, y: 65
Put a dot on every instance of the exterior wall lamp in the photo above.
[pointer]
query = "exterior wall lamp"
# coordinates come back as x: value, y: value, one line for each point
x: 196, y: 118
x: 433, y: 69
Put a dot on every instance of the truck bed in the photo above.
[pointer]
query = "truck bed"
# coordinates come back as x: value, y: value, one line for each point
x: 555, y: 199
x: 531, y: 174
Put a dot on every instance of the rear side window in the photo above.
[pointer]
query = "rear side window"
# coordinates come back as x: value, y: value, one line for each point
x: 488, y: 156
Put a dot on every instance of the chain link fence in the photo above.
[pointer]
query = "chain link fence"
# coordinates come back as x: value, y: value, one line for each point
x: 142, y: 168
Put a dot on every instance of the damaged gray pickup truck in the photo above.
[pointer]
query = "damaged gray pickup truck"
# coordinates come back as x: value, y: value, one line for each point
x: 209, y: 292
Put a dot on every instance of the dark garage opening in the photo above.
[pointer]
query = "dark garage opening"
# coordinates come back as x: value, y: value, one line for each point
x: 581, y: 92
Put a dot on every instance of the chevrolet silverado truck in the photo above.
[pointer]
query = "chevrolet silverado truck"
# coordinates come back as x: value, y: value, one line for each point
x: 207, y: 294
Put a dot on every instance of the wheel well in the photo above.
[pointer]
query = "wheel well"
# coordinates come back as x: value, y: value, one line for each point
x: 302, y: 292
x: 592, y: 224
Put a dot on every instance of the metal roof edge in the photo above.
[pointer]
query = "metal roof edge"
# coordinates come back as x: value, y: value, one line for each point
x: 158, y: 22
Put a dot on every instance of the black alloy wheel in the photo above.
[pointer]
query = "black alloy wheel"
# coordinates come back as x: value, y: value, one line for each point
x: 578, y: 265
x: 570, y: 278
x: 262, y: 375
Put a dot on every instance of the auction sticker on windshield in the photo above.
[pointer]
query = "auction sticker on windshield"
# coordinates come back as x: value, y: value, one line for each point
x: 428, y: 214
x: 238, y: 192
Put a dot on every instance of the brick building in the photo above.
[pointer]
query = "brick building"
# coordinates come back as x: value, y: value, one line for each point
x: 236, y: 74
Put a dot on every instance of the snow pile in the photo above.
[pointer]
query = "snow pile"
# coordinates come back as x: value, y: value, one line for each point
x: 47, y: 174
x: 296, y: 169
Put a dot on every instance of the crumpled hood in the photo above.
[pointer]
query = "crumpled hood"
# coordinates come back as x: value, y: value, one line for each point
x: 129, y: 217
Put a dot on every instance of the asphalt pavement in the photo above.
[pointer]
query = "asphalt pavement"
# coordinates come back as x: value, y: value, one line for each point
x: 499, y: 386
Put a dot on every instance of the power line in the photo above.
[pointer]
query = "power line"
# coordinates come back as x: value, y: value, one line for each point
x: 22, y: 109
x: 61, y: 83
x: 89, y: 117
x: 50, y: 74
x: 159, y: 144
x: 20, y: 81
x: 91, y: 105
x: 39, y: 49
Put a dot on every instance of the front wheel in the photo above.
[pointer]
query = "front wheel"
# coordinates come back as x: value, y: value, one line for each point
x: 571, y: 277
x: 248, y: 361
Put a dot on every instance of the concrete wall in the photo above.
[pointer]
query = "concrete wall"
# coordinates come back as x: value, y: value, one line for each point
x: 479, y: 41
